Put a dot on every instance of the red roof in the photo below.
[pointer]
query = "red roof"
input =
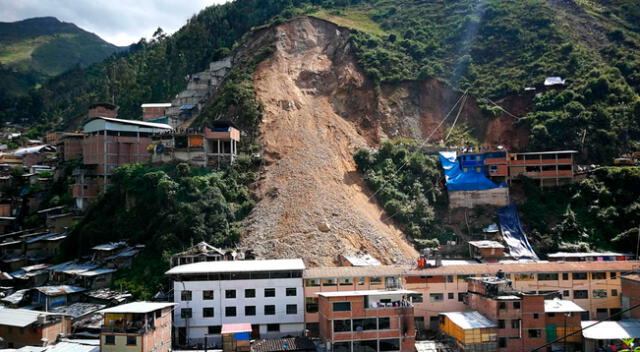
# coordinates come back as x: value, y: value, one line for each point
x: 233, y: 328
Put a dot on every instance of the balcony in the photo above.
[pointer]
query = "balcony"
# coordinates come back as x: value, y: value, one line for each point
x: 131, y: 330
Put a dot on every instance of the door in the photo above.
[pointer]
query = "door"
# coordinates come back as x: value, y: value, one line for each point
x: 255, y: 331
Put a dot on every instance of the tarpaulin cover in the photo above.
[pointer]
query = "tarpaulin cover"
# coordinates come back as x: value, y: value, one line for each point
x: 513, y: 234
x: 458, y: 180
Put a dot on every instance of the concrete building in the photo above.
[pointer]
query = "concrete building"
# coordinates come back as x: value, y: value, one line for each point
x: 370, y: 320
x: 266, y: 293
x: 137, y: 326
x: 630, y: 296
x: 22, y: 327
x: 552, y: 168
x: 107, y: 144
x: 486, y: 251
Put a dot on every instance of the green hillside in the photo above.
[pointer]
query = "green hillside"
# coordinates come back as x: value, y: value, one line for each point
x: 36, y: 49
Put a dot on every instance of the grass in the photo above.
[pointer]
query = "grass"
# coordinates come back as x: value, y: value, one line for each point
x: 21, y: 51
x: 354, y: 19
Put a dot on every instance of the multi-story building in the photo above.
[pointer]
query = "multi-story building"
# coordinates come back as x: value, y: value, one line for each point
x: 107, y: 144
x: 594, y: 286
x: 370, y: 320
x: 266, y: 293
x: 69, y: 146
x: 551, y: 168
x: 22, y: 327
x: 137, y: 326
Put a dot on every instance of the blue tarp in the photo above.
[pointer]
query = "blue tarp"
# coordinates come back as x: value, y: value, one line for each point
x: 458, y: 180
x: 513, y: 233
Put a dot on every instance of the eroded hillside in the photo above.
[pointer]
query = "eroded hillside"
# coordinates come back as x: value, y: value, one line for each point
x: 319, y: 108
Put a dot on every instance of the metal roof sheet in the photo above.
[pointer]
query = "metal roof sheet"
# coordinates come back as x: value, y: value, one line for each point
x: 238, y: 266
x: 141, y: 124
x: 109, y: 246
x: 96, y: 272
x: 611, y: 330
x: 587, y: 254
x: 70, y: 346
x: 486, y: 244
x: 470, y: 320
x: 138, y: 307
x: 58, y: 290
x: 561, y: 306
x: 155, y: 105
x: 20, y: 317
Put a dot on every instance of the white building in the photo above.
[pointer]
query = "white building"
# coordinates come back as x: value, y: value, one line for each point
x: 265, y: 293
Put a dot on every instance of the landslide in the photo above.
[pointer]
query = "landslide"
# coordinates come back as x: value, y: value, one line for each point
x: 319, y: 108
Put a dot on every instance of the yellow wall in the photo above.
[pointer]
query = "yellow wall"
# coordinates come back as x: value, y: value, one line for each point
x: 121, y: 345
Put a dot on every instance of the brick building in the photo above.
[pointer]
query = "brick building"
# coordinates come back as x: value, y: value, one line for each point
x: 137, y: 326
x: 102, y: 110
x: 22, y: 327
x: 375, y: 320
x: 69, y: 146
x: 151, y: 111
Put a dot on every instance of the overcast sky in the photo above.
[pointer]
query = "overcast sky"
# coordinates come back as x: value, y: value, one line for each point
x: 120, y: 22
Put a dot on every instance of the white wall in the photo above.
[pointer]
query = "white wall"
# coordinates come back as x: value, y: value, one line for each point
x: 197, y: 326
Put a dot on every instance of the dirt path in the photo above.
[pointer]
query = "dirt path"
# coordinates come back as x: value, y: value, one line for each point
x: 313, y: 203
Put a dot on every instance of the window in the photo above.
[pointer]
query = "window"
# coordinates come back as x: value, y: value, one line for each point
x: 365, y: 345
x: 207, y: 295
x: 416, y: 297
x: 250, y: 293
x: 449, y: 278
x: 361, y: 281
x: 450, y: 295
x: 389, y: 345
x: 502, y: 342
x: 270, y: 309
x: 579, y: 276
x: 230, y: 294
x: 614, y: 275
x: 249, y: 311
x: 185, y: 295
x: 342, y: 346
x: 346, y: 281
x: 536, y: 315
x: 342, y: 325
x: 269, y: 292
x: 214, y: 329
x: 109, y: 340
x: 551, y: 315
x: 365, y: 324
x: 436, y: 297
x: 599, y: 293
x: 207, y: 312
x: 375, y: 281
x: 292, y: 309
x: 342, y: 306
x: 534, y: 333
x: 565, y: 276
x: 463, y: 278
x: 185, y: 313
x: 598, y: 276
x: 502, y: 305
x: 329, y: 282
x: 516, y: 305
x: 565, y: 293
x: 462, y: 296
x: 229, y: 311
x: 313, y: 328
x: 273, y: 327
x: 580, y: 294
x: 523, y: 277
x: 584, y: 315
x: 515, y: 324
x: 500, y: 324
x: 311, y: 304
x: 547, y: 276
x: 384, y: 323
x: 614, y: 292
x: 312, y: 282
x: 132, y: 340
x: 291, y: 291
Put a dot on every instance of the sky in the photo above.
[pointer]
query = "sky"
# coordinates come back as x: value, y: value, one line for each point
x: 120, y: 22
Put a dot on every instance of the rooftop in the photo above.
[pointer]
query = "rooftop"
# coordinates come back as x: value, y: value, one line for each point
x: 561, y: 306
x: 486, y: 244
x: 549, y: 152
x: 138, y: 307
x: 109, y: 246
x: 470, y: 320
x: 58, y: 290
x: 365, y: 293
x: 587, y: 254
x: 78, y: 310
x: 160, y: 126
x: 20, y: 317
x: 297, y: 343
x: 361, y: 259
x: 611, y: 330
x: 156, y: 105
x: 238, y: 266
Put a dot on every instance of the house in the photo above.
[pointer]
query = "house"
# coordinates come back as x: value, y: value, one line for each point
x: 486, y: 251
x: 470, y: 330
x: 102, y: 251
x: 31, y: 276
x: 69, y: 146
x: 22, y: 327
x: 43, y: 246
x: 109, y: 143
x: 137, y: 326
x: 549, y: 168
x: 588, y: 256
x: 630, y: 296
x: 102, y: 110
x: 201, y: 252
x: 266, y: 293
x: 151, y: 111
x: 50, y: 297
x: 376, y: 320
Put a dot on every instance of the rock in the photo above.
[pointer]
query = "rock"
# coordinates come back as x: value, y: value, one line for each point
x: 324, y: 226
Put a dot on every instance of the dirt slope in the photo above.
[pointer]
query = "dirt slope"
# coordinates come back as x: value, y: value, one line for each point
x: 319, y: 109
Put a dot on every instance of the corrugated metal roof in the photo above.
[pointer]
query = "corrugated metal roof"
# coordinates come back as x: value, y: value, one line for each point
x: 96, y: 272
x: 138, y: 307
x: 587, y: 254
x: 58, y: 290
x: 126, y: 122
x: 297, y: 343
x: 561, y: 306
x: 68, y: 346
x: 155, y: 105
x: 20, y: 317
x: 238, y: 266
x: 486, y: 244
x: 611, y: 330
x: 470, y: 320
x: 109, y: 246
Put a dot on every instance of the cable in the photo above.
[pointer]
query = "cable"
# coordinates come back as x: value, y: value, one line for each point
x: 582, y: 329
x: 503, y: 109
x: 464, y: 101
